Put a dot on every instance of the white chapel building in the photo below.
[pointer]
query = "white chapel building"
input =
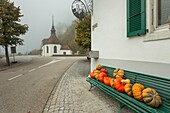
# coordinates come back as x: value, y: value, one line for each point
x: 52, y: 46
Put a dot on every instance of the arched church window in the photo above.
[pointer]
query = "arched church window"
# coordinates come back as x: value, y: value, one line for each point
x: 55, y: 49
x: 47, y: 49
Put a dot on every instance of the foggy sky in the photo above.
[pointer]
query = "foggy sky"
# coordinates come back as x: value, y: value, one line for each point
x: 38, y: 16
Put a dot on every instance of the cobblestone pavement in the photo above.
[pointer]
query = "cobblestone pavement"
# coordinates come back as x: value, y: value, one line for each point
x: 71, y: 95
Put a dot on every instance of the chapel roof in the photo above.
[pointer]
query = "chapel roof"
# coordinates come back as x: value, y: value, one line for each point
x: 51, y: 40
x: 43, y: 41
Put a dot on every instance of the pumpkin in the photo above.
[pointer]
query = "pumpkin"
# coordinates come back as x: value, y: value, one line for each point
x: 98, y: 67
x: 107, y: 81
x: 128, y: 89
x: 103, y: 70
x: 96, y: 73
x: 118, y: 85
x: 118, y: 73
x: 112, y: 82
x: 137, y: 91
x: 101, y: 76
x: 151, y: 97
x: 125, y: 81
x: 92, y: 75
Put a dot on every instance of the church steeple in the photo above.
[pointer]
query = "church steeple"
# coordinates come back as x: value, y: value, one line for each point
x: 52, y: 29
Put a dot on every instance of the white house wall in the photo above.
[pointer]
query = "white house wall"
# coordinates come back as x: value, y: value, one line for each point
x: 68, y: 52
x: 109, y: 38
x: 51, y: 50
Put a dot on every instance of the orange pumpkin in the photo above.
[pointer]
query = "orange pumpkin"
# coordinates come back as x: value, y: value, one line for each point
x: 103, y: 70
x: 107, y: 81
x: 92, y: 75
x: 101, y: 76
x: 118, y: 85
x: 137, y: 91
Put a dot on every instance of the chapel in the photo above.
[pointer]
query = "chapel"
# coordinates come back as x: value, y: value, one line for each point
x: 52, y: 46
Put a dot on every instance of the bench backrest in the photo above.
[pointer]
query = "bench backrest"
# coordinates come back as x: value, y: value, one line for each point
x: 161, y: 85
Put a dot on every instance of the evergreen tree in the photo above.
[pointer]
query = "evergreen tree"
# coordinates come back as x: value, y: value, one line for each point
x: 83, y: 32
x: 10, y: 28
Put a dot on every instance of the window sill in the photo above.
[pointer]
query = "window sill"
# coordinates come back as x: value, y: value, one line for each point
x: 160, y: 33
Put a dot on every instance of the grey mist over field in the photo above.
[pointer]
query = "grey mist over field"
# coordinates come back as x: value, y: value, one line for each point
x: 38, y: 16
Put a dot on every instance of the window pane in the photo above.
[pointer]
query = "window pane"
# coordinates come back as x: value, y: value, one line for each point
x: 47, y: 49
x: 163, y: 11
x: 55, y: 49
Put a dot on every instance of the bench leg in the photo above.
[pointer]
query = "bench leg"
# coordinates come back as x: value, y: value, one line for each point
x: 120, y: 108
x: 91, y: 86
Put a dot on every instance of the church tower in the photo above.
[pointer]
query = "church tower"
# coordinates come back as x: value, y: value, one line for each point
x: 53, y: 29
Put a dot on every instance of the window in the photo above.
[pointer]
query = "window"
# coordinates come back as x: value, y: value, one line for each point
x: 47, y: 49
x: 163, y: 11
x: 157, y: 12
x: 136, y: 17
x: 55, y: 49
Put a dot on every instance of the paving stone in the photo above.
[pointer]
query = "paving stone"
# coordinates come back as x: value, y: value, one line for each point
x: 51, y: 111
x: 61, y: 111
x: 71, y: 95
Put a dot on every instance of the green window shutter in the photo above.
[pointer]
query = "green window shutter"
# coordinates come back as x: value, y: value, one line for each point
x: 136, y: 17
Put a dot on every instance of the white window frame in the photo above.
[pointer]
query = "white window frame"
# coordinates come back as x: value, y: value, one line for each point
x: 155, y: 32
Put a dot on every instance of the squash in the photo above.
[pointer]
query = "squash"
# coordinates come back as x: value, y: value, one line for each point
x: 137, y: 91
x: 107, y: 81
x: 118, y: 73
x: 128, y: 89
x: 151, y: 97
x: 118, y: 85
x: 96, y: 73
x: 125, y: 81
x: 98, y: 67
x: 112, y: 82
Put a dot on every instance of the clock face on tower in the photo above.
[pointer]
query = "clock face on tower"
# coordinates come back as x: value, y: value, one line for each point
x: 79, y: 9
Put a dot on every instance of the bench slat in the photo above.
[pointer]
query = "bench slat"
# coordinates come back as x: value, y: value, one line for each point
x: 156, y: 86
x: 163, y: 82
x: 147, y: 75
x: 155, y: 83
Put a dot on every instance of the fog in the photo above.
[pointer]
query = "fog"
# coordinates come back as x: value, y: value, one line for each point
x: 38, y: 15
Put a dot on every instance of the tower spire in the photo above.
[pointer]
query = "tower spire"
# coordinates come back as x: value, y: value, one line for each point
x: 53, y: 20
x: 53, y: 28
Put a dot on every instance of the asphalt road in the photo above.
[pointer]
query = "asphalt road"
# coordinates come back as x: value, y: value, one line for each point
x: 27, y: 87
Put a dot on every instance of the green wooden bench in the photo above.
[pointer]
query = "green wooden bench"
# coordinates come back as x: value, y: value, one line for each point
x: 161, y: 85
